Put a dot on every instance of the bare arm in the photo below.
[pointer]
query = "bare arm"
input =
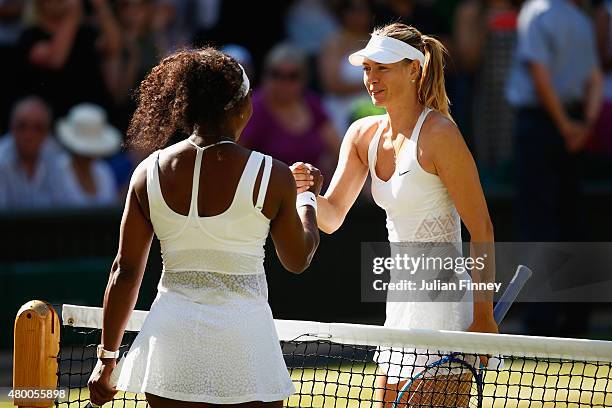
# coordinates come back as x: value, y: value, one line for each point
x: 574, y: 133
x: 110, y: 36
x: 594, y: 97
x: 52, y: 54
x: 346, y: 183
x: 456, y: 168
x: 547, y: 94
x: 294, y: 232
x: 135, y: 236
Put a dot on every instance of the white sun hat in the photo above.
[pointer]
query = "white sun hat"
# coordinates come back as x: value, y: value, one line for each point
x: 86, y: 132
x: 386, y: 50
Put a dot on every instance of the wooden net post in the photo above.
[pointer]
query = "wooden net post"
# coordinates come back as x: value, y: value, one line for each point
x: 37, y: 335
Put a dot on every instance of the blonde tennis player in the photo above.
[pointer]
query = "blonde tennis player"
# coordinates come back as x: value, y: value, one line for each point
x: 423, y: 176
x: 209, y: 338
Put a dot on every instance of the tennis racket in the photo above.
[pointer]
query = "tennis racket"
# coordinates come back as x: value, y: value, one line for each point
x: 460, y: 382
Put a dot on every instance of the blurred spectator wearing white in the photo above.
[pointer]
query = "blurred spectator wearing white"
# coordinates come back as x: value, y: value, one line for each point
x: 342, y: 83
x: 30, y: 174
x: 88, y: 137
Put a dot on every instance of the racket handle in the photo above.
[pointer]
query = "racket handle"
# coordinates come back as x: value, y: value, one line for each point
x: 521, y: 276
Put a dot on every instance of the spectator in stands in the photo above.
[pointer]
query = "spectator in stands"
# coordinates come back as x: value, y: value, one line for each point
x: 309, y: 24
x: 145, y: 38
x: 10, y: 29
x: 288, y: 122
x: 140, y: 52
x: 63, y: 59
x: 88, y: 137
x: 30, y: 176
x: 342, y: 83
x: 556, y: 88
x: 484, y: 41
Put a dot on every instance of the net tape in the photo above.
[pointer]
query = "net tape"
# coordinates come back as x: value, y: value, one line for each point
x: 332, y: 364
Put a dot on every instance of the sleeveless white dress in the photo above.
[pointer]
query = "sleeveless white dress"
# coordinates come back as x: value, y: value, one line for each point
x: 210, y: 335
x: 419, y: 209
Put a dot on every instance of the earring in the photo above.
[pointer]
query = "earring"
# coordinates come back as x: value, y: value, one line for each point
x: 413, y: 80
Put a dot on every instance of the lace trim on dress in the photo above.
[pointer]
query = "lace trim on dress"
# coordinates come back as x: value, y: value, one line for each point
x: 440, y: 228
x: 202, y: 286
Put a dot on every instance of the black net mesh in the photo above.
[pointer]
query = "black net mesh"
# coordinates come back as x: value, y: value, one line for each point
x: 327, y: 374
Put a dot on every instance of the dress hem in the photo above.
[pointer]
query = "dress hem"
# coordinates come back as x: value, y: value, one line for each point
x: 208, y: 398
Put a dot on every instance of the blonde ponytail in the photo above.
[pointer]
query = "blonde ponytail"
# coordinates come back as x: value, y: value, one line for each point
x: 431, y: 90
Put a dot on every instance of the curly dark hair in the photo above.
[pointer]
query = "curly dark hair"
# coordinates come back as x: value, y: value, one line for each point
x: 186, y: 89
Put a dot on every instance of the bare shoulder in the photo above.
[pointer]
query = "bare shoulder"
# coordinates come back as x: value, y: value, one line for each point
x: 139, y: 176
x: 138, y: 184
x: 362, y: 130
x: 170, y: 156
x: 281, y: 175
x: 439, y: 132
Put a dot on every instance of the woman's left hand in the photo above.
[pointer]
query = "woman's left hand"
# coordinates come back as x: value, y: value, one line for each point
x: 484, y: 325
x: 100, y: 389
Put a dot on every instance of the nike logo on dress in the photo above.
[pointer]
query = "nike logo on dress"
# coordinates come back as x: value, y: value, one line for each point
x: 401, y: 174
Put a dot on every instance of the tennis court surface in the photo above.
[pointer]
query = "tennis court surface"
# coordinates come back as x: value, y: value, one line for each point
x: 333, y: 365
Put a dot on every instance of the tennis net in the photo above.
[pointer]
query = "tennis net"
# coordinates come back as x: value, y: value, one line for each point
x: 341, y: 365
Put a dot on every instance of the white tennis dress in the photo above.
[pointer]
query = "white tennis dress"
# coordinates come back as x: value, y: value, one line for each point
x: 210, y: 336
x: 419, y: 209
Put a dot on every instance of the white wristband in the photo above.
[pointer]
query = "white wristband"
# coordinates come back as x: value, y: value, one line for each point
x: 306, y: 198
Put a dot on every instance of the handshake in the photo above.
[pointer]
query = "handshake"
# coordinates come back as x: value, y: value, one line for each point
x: 307, y: 177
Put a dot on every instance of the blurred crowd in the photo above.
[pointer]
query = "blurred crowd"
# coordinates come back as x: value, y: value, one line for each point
x: 70, y: 69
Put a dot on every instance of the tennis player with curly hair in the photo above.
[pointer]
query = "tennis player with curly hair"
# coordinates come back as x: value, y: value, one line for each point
x: 209, y: 338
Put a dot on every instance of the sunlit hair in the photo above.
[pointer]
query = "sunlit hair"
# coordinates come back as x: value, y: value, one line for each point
x: 431, y: 89
x: 186, y: 89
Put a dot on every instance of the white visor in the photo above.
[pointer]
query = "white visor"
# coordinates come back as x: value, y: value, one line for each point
x: 386, y: 50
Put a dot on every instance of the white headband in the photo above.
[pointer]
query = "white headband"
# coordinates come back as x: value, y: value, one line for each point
x: 242, y: 92
x: 386, y: 50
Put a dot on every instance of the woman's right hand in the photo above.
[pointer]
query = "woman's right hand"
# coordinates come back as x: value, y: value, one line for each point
x: 303, y: 179
x: 317, y: 179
